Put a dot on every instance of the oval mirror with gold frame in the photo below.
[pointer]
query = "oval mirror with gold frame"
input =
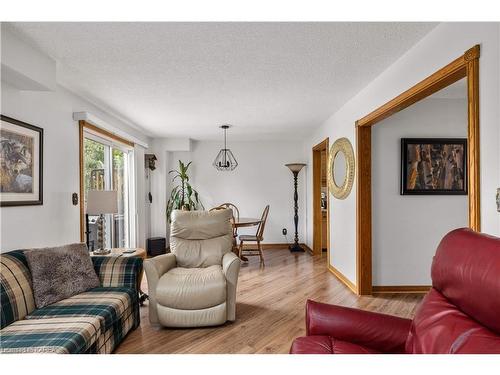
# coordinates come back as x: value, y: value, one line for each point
x: 341, y: 168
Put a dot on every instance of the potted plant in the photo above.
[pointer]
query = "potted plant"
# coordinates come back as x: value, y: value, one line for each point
x: 183, y: 196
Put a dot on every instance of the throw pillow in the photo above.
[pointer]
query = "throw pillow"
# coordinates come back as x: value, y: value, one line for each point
x: 60, y: 272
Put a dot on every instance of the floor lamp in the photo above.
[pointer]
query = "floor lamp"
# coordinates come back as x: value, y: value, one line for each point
x: 295, y: 168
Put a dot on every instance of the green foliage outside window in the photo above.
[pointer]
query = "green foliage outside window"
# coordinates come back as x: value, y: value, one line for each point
x: 93, y: 160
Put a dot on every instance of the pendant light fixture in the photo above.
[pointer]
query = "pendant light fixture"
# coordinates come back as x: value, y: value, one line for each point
x: 225, y: 160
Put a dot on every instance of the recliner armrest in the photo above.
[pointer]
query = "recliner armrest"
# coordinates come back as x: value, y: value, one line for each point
x: 155, y: 268
x: 381, y: 332
x: 231, y: 268
x: 159, y: 265
x: 229, y: 263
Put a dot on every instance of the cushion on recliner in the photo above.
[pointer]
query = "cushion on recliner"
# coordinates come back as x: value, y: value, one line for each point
x: 461, y: 313
x: 327, y: 345
x: 200, y: 238
x: 192, y: 288
x: 440, y: 328
x: 200, y: 253
x: 466, y: 270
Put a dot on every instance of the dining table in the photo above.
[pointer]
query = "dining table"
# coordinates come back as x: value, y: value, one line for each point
x: 243, y: 222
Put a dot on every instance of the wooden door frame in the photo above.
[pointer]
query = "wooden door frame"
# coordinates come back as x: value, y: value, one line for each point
x: 466, y: 66
x: 317, y: 216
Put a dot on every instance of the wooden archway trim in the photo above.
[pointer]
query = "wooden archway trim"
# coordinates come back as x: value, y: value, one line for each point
x: 467, y: 66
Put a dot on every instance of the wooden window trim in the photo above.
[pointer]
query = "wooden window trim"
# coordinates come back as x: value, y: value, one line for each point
x: 466, y: 66
x: 105, y: 133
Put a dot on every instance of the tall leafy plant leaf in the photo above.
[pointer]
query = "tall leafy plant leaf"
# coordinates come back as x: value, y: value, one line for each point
x: 182, y: 196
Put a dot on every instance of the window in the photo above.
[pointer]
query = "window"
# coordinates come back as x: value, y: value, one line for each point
x: 108, y: 165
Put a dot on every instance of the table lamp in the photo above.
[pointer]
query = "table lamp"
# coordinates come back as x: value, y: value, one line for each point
x: 100, y: 202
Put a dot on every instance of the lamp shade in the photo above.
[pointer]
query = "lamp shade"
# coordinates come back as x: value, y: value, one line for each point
x: 295, y: 167
x: 102, y: 202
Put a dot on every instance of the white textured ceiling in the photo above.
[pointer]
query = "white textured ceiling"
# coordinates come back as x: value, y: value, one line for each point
x: 270, y: 80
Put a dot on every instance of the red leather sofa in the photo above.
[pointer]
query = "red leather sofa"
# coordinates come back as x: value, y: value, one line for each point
x: 460, y: 314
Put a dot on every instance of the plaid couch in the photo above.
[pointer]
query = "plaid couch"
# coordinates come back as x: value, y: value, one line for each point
x: 95, y: 321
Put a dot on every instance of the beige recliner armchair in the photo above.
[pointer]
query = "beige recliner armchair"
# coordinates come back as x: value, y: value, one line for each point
x: 195, y: 285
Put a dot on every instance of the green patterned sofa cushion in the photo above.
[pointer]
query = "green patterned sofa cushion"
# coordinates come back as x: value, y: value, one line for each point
x: 62, y: 335
x: 109, y: 305
x: 16, y: 289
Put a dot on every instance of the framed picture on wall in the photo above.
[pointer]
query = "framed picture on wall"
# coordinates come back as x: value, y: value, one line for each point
x: 21, y: 163
x: 433, y: 166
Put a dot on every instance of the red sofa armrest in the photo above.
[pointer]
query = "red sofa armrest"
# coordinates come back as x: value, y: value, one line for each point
x: 384, y: 333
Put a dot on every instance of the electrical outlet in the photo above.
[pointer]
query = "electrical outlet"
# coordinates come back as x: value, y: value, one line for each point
x: 284, y: 231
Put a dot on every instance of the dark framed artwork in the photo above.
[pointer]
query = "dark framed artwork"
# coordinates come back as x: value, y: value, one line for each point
x: 433, y: 166
x: 21, y: 163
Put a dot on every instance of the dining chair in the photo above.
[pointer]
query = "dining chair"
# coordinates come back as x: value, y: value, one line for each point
x: 236, y: 214
x: 258, y: 237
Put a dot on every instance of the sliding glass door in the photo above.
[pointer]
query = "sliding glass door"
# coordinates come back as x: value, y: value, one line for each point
x: 119, y: 179
x: 108, y: 166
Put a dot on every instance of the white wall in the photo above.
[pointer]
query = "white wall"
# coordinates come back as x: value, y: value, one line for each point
x: 141, y: 204
x: 57, y: 221
x: 408, y: 228
x: 442, y: 45
x: 160, y: 180
x: 261, y: 178
x: 159, y: 190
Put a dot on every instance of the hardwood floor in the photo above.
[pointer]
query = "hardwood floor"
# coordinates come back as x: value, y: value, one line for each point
x: 270, y: 309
